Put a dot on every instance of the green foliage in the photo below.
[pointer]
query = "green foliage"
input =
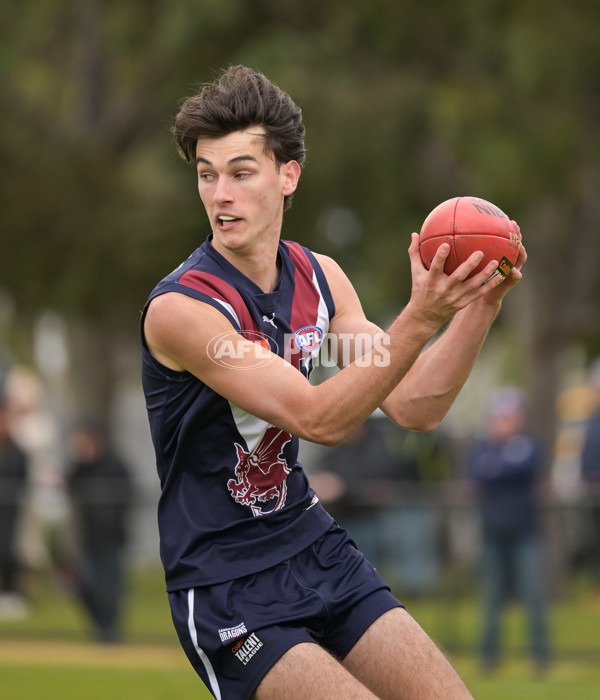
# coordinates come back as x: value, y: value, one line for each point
x: 406, y: 104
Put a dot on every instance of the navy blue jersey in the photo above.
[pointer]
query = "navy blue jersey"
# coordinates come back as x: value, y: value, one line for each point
x: 234, y: 499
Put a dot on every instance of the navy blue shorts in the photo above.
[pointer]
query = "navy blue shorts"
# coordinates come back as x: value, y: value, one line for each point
x: 234, y: 632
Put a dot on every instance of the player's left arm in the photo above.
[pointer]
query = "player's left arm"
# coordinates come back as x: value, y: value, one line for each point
x: 430, y: 387
x: 424, y: 395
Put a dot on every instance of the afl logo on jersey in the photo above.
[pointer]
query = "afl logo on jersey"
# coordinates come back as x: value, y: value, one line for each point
x: 309, y: 338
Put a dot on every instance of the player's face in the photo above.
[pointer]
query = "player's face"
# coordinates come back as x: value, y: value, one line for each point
x: 242, y: 189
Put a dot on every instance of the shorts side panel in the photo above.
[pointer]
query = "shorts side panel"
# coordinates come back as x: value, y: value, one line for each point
x: 231, y: 668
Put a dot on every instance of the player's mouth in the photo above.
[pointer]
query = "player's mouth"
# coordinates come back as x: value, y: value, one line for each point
x: 224, y: 221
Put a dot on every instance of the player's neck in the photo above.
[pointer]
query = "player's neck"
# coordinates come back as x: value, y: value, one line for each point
x: 263, y: 275
x: 261, y: 265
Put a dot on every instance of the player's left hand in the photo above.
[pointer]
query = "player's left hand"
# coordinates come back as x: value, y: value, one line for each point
x: 498, y: 287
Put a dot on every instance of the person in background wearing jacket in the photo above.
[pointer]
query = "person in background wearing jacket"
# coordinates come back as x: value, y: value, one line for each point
x: 505, y: 466
x: 13, y: 486
x: 101, y: 493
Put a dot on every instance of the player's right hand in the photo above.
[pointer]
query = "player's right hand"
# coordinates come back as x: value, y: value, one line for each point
x: 436, y: 296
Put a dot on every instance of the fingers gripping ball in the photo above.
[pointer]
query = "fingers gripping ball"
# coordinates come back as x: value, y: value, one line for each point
x: 469, y: 224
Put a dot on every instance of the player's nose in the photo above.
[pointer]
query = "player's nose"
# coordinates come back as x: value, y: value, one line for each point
x: 222, y: 191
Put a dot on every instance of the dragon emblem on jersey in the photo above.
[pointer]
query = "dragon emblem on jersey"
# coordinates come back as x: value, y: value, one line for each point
x: 261, y: 474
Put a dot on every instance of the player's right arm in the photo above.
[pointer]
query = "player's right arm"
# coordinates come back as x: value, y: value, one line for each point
x: 179, y: 331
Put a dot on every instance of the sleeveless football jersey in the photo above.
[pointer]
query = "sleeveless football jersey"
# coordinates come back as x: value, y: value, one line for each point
x: 234, y: 499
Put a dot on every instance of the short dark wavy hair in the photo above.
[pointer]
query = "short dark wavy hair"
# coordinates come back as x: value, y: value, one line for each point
x: 242, y: 98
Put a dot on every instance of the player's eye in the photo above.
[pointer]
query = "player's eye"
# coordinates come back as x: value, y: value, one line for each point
x: 206, y: 176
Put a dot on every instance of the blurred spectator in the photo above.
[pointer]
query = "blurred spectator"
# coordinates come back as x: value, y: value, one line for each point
x: 590, y: 471
x: 101, y: 492
x: 13, y: 483
x: 35, y: 429
x: 371, y: 484
x: 505, y: 466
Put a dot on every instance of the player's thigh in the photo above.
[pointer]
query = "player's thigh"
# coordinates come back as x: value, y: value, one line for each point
x: 308, y: 672
x: 396, y: 660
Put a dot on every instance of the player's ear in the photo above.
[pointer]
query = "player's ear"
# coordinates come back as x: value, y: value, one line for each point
x: 290, y: 172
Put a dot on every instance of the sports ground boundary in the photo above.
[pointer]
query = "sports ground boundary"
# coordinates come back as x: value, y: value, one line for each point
x: 58, y: 653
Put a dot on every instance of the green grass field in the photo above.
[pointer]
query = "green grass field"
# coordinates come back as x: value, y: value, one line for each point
x: 48, y: 655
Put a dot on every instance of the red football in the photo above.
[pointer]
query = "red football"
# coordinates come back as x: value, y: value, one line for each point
x: 469, y: 224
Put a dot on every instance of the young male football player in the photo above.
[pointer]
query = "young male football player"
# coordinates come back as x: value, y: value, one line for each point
x: 269, y: 596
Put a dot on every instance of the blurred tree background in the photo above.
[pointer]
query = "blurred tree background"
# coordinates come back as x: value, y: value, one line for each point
x: 406, y: 104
